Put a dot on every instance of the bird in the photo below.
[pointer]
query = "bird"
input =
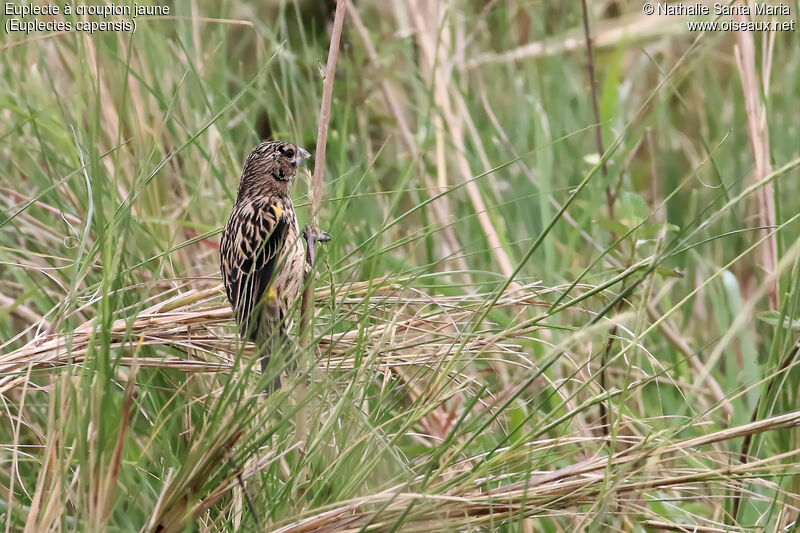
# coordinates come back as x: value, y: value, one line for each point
x: 262, y: 258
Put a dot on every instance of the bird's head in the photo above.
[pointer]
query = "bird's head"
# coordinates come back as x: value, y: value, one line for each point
x: 270, y: 168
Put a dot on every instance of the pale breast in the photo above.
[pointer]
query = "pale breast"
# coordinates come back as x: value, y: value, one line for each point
x: 289, y: 278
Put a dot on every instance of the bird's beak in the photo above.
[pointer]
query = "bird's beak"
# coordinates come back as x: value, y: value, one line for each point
x: 301, y: 156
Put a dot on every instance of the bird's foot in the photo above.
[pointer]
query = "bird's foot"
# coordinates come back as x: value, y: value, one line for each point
x: 323, y: 236
x: 312, y: 237
x: 319, y: 235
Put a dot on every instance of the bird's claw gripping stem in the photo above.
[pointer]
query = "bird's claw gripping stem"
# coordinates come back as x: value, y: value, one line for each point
x: 312, y: 238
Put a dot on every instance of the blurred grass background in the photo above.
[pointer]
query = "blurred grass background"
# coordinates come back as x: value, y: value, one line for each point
x: 471, y: 336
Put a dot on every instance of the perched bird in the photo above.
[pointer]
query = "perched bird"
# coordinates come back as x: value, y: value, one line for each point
x: 261, y: 255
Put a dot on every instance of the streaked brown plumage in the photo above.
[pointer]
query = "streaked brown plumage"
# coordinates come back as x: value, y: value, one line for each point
x: 261, y: 253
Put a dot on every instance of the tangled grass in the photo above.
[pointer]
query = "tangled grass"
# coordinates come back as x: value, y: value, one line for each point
x: 514, y: 328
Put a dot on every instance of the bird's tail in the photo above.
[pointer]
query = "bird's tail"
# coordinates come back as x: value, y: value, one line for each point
x: 277, y: 348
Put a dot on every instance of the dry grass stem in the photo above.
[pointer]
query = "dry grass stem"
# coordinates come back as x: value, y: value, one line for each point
x: 758, y: 133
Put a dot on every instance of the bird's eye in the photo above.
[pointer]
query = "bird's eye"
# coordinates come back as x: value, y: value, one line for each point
x: 290, y: 153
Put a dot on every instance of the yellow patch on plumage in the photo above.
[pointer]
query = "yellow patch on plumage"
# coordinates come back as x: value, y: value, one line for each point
x: 277, y: 210
x: 271, y: 294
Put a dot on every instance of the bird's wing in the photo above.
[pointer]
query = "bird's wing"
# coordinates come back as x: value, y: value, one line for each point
x: 250, y: 249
